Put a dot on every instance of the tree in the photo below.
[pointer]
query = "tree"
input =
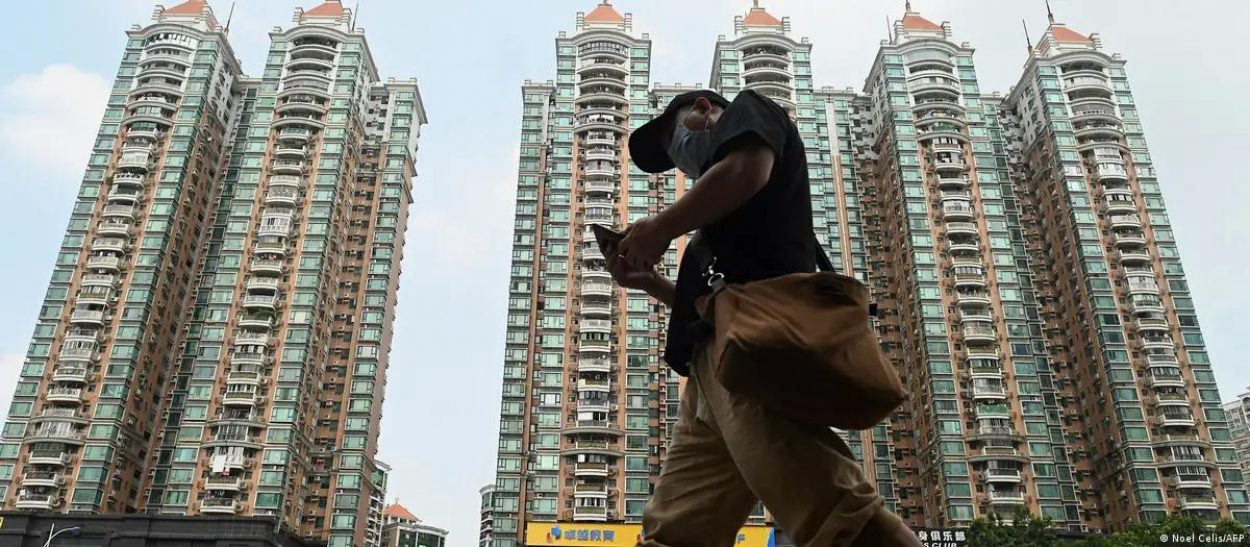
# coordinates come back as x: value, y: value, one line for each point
x: 1024, y: 530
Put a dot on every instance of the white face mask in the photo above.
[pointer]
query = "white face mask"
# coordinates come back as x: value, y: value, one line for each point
x: 689, y: 150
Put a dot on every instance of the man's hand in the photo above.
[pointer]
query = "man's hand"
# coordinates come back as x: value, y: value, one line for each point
x: 642, y: 279
x: 644, y: 243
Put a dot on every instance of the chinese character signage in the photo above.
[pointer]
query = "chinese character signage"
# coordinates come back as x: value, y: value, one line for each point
x: 942, y: 537
x: 587, y: 534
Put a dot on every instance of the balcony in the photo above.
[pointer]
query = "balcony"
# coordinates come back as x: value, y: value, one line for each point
x: 594, y: 345
x: 597, y: 514
x: 33, y: 479
x: 55, y: 458
x: 1142, y: 286
x: 975, y: 317
x: 957, y: 210
x: 987, y: 432
x: 243, y: 377
x: 995, y: 410
x: 261, y: 265
x: 1130, y: 256
x: 987, y: 391
x: 596, y: 308
x: 1189, y: 481
x: 601, y: 154
x: 88, y: 317
x: 122, y: 229
x: 964, y: 248
x: 104, y: 262
x: 78, y: 349
x: 1001, y: 474
x: 128, y: 179
x: 282, y: 229
x: 950, y: 166
x: 1198, y: 503
x: 258, y: 323
x: 590, y: 469
x: 1125, y: 221
x: 605, y: 186
x: 227, y: 484
x: 979, y: 334
x: 972, y: 298
x: 1130, y: 238
x: 596, y: 325
x: 252, y: 339
x: 591, y: 252
x: 594, y: 365
x: 1162, y: 360
x: 1145, y: 304
x: 995, y: 453
x: 120, y: 211
x: 294, y: 134
x: 135, y: 157
x: 1157, y: 343
x: 599, y: 490
x: 268, y: 284
x: 1007, y: 497
x: 219, y: 506
x: 1110, y: 171
x: 596, y: 288
x: 599, y: 172
x: 287, y: 167
x: 260, y: 301
x: 109, y: 244
x: 1152, y: 324
x: 969, y: 228
x: 282, y: 195
x: 600, y: 140
x: 1120, y: 206
x: 1175, y: 419
x: 287, y: 151
x: 593, y: 405
x: 44, y: 502
x: 124, y: 194
x: 75, y: 375
x: 594, y: 384
x: 1154, y: 379
x: 64, y: 395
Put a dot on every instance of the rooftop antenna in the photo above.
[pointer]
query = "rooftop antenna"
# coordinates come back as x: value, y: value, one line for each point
x: 230, y: 17
x: 1050, y: 14
x: 1028, y: 41
x: 889, y: 29
x: 907, y: 5
x: 756, y: 3
x: 355, y: 15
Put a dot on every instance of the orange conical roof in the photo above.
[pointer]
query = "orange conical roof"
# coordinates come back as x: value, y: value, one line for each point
x: 398, y: 511
x: 190, y: 7
x: 332, y: 8
x: 760, y: 17
x: 604, y: 13
x: 912, y: 21
x: 1065, y: 34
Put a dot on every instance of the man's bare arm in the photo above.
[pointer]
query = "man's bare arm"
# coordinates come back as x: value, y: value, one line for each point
x: 724, y: 188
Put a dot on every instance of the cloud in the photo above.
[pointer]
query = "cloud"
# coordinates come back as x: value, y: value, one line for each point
x: 51, y: 117
x: 471, y: 227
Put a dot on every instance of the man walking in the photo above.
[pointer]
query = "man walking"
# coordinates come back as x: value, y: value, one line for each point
x: 752, y: 211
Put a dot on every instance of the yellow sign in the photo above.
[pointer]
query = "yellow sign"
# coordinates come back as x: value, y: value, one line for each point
x: 590, y: 534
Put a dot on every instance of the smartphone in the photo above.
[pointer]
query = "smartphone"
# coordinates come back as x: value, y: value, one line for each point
x: 607, y: 239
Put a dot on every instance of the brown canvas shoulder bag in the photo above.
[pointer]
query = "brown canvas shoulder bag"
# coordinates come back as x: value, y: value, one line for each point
x: 802, y: 345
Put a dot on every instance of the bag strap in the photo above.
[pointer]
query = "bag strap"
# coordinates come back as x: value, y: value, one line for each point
x: 825, y: 265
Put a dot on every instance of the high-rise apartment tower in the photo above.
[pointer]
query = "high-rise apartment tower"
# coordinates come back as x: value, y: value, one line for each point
x: 216, y: 333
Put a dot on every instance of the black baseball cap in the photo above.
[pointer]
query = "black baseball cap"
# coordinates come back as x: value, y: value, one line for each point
x: 646, y: 144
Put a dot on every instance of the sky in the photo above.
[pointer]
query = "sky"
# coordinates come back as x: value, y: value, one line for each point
x: 471, y: 56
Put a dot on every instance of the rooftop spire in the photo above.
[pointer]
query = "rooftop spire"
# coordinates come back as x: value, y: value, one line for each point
x: 604, y: 12
x: 1050, y: 14
x: 908, y: 5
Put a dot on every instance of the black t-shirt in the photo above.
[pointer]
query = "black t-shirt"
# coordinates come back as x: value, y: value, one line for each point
x: 768, y: 236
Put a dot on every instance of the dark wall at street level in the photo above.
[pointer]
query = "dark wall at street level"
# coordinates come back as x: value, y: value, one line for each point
x: 25, y: 529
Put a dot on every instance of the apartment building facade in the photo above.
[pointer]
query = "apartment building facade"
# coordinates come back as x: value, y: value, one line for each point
x: 944, y: 199
x: 1238, y: 412
x: 264, y: 218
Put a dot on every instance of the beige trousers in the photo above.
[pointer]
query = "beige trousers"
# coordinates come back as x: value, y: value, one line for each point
x: 728, y: 452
